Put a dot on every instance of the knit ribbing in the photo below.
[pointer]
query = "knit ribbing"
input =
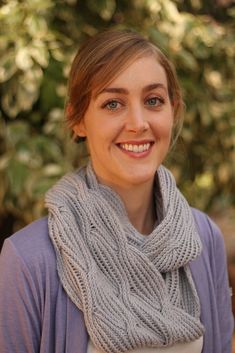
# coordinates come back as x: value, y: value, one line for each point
x: 134, y: 291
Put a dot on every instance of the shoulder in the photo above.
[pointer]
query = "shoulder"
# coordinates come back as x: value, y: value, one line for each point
x: 208, y: 230
x: 31, y: 245
x: 213, y: 254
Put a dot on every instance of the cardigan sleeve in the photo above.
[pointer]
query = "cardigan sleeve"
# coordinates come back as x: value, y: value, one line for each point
x: 210, y: 274
x: 223, y: 294
x: 36, y: 315
x: 19, y: 304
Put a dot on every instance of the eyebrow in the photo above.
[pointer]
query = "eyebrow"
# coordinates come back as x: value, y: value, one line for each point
x: 126, y: 92
x: 153, y: 86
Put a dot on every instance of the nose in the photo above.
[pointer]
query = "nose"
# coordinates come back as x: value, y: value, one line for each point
x: 136, y: 120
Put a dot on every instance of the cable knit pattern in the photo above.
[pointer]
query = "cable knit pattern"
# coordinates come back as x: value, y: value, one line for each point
x: 134, y: 291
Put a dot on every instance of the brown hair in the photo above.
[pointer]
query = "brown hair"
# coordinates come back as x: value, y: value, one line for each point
x: 102, y: 58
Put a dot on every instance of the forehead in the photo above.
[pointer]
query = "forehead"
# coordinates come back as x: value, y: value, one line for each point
x: 145, y: 69
x: 141, y: 71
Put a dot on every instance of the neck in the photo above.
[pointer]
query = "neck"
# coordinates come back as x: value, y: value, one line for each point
x: 140, y: 206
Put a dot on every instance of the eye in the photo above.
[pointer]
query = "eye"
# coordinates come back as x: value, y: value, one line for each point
x: 112, y: 105
x: 154, y: 101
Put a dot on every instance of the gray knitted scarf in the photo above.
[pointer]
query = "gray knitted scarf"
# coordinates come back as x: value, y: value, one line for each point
x: 134, y: 290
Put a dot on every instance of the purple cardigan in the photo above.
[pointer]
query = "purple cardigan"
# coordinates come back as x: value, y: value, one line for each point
x: 36, y: 315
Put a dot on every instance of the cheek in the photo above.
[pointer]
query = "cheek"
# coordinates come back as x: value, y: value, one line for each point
x: 109, y: 130
x: 163, y: 128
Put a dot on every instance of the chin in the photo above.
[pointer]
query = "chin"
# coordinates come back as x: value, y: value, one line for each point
x: 140, y: 178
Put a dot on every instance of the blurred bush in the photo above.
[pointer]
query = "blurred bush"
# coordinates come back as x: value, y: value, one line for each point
x: 38, y: 39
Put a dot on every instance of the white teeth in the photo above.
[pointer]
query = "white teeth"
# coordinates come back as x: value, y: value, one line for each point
x: 135, y: 148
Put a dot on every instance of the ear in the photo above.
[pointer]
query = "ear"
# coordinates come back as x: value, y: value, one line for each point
x: 79, y: 129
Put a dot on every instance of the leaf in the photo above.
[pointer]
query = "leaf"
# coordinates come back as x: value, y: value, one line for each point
x: 187, y: 59
x: 39, y: 53
x: 159, y: 38
x: 47, y: 148
x: 17, y: 175
x: 205, y: 115
x: 41, y: 186
x: 36, y: 25
x: 7, y: 66
x: 105, y: 8
x: 205, y: 180
x: 52, y: 170
x: 23, y: 59
x: 17, y: 131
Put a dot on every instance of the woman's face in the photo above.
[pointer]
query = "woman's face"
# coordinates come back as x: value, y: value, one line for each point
x: 128, y: 125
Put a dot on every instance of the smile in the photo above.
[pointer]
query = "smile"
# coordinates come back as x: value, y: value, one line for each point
x: 135, y: 148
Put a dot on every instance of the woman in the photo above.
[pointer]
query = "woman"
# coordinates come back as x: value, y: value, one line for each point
x: 122, y: 263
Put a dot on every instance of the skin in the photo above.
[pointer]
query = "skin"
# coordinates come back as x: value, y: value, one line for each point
x: 134, y: 109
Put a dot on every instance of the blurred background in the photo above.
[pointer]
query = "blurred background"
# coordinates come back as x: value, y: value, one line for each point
x: 39, y: 38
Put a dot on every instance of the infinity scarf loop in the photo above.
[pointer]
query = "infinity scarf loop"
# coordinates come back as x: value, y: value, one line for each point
x: 135, y: 291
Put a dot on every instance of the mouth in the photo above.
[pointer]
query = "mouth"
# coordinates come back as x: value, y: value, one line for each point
x: 136, y: 147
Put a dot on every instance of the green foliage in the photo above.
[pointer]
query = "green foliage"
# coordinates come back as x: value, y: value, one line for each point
x: 39, y: 39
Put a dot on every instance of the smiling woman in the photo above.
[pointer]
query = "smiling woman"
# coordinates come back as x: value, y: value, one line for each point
x: 114, y: 52
x: 121, y: 263
x: 136, y: 116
